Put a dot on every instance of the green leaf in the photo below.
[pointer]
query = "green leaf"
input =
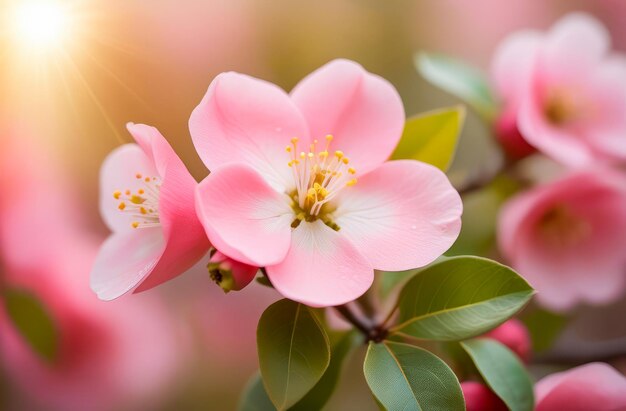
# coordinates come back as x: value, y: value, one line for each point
x: 33, y: 322
x: 458, y: 298
x: 320, y: 394
x: 432, y: 137
x: 294, y: 351
x: 503, y: 372
x: 459, y: 79
x: 405, y: 377
x: 254, y: 397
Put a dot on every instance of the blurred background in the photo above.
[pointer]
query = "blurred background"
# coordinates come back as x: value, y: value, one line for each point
x: 74, y: 72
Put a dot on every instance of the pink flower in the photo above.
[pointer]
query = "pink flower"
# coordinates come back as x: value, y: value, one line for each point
x: 283, y: 195
x: 515, y: 336
x: 146, y: 199
x: 567, y: 238
x: 478, y: 397
x: 230, y: 274
x: 107, y: 355
x: 595, y: 386
x: 566, y: 90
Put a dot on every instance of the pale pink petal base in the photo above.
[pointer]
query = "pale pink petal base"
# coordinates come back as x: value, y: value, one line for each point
x: 322, y: 268
x: 402, y: 215
x: 243, y: 216
x: 124, y: 260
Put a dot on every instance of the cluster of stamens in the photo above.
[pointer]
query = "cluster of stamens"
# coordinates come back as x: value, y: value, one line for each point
x: 319, y: 177
x: 142, y: 204
x: 561, y: 227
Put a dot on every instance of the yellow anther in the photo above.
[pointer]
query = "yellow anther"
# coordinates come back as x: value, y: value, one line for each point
x: 122, y: 206
x: 127, y: 192
x: 134, y: 224
x: 302, y: 154
x: 300, y: 216
x: 147, y: 179
x: 294, y: 140
x: 140, y: 191
x: 310, y: 155
x: 345, y: 160
x: 138, y: 175
x: 351, y: 170
x: 137, y: 200
x: 323, y: 154
x: 329, y: 137
x: 339, y: 154
x: 116, y: 195
x: 143, y: 210
x: 311, y: 192
x: 323, y: 192
x: 351, y: 182
x: 317, y: 186
x: 288, y: 149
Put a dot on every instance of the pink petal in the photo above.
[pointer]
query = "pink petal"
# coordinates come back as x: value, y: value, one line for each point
x: 185, y: 237
x: 577, y: 41
x: 361, y: 110
x: 322, y: 268
x: 124, y: 260
x: 118, y: 174
x: 402, y: 215
x: 513, y: 63
x: 245, y: 120
x: 243, y: 216
x: 595, y: 386
x: 607, y: 118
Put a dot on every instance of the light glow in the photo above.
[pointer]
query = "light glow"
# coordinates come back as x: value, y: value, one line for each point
x: 40, y: 25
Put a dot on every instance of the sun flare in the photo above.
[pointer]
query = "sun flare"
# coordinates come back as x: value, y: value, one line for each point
x: 40, y: 25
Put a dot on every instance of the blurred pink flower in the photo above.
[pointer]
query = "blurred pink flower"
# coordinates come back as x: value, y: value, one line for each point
x: 566, y: 90
x: 107, y: 354
x: 146, y: 199
x: 230, y: 274
x: 514, y: 335
x: 478, y: 397
x: 595, y: 386
x: 301, y: 213
x: 567, y: 238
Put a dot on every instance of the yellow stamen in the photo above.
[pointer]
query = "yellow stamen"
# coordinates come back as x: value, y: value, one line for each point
x: 122, y: 206
x: 134, y: 224
x: 116, y: 195
x: 138, y: 175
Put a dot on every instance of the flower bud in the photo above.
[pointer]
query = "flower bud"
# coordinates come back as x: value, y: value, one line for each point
x: 510, y: 138
x: 478, y: 397
x: 515, y: 336
x: 230, y: 274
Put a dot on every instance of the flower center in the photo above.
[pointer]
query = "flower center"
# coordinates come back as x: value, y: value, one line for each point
x: 561, y: 107
x: 143, y: 204
x: 319, y: 177
x: 561, y: 227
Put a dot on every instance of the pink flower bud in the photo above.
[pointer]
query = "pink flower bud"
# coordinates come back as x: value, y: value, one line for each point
x: 478, y: 397
x: 515, y: 336
x: 230, y: 274
x: 510, y: 138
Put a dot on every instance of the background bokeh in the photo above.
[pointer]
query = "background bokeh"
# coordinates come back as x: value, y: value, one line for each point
x: 66, y: 103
